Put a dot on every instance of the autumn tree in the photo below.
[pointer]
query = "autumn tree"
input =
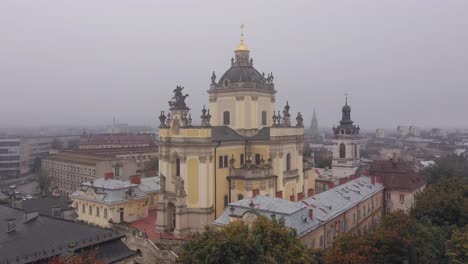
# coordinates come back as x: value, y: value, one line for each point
x: 264, y: 241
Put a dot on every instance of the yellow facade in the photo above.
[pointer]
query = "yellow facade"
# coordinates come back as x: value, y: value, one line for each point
x: 242, y: 148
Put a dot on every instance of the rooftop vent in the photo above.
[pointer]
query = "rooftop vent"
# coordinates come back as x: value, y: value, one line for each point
x: 28, y: 216
x: 11, y: 225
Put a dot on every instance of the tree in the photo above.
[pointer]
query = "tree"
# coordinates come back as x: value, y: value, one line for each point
x: 152, y: 165
x: 43, y: 182
x: 264, y: 241
x: 457, y: 246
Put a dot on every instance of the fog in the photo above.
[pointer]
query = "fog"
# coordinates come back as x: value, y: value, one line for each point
x: 83, y: 62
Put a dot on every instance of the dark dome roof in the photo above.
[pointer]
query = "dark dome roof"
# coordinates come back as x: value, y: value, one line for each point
x: 242, y: 74
x: 346, y: 108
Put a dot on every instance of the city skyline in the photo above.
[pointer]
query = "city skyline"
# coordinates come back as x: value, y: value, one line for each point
x: 401, y: 64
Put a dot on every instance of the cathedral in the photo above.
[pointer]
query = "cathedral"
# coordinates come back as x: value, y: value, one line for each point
x: 242, y: 148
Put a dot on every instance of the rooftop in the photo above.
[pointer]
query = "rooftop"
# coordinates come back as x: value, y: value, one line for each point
x: 37, y: 237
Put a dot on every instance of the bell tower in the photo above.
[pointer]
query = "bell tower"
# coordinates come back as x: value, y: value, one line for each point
x: 346, y: 157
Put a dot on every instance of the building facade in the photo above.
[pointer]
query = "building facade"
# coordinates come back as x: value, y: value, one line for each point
x: 401, y: 183
x: 346, y: 156
x: 242, y: 148
x: 117, y: 140
x: 355, y: 207
x: 68, y: 170
x: 105, y: 201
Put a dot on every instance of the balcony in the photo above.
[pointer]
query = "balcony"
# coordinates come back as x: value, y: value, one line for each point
x: 290, y: 175
x: 250, y: 172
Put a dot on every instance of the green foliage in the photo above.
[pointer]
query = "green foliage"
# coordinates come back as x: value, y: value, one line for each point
x: 433, y: 232
x: 457, y: 246
x: 152, y: 165
x: 43, y: 182
x: 263, y: 242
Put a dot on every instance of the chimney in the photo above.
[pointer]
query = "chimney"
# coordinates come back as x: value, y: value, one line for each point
x: 135, y: 179
x: 28, y: 216
x: 56, y: 211
x: 11, y: 225
x: 311, y: 214
x: 379, y: 179
x: 108, y: 175
x: 373, y: 180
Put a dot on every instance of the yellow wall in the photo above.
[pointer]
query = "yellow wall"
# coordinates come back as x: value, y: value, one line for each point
x: 193, y: 182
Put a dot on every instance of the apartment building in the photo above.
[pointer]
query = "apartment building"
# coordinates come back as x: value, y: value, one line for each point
x: 68, y: 170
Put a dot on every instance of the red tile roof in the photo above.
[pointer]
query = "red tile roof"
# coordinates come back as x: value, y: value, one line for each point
x: 147, y: 225
x: 396, y: 175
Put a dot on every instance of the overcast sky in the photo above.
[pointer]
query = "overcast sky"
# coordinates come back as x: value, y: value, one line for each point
x: 83, y: 62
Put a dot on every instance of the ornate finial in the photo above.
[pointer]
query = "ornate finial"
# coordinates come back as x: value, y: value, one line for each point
x: 346, y: 98
x: 242, y: 46
x: 242, y: 31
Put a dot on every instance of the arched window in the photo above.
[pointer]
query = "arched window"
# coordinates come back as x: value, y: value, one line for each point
x: 226, y: 118
x: 264, y: 118
x: 242, y: 159
x: 342, y: 151
x: 355, y: 151
x: 288, y: 161
x: 177, y: 167
x: 257, y: 159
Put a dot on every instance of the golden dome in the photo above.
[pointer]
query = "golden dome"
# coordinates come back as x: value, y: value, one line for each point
x: 242, y: 46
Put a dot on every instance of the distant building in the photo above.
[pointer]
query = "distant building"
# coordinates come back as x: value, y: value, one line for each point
x: 408, y: 131
x: 312, y: 134
x: 142, y: 155
x: 346, y: 149
x: 354, y: 207
x: 105, y: 200
x: 438, y: 133
x: 69, y: 169
x: 401, y: 184
x: 99, y: 141
x: 19, y: 155
x: 31, y: 237
x: 380, y: 133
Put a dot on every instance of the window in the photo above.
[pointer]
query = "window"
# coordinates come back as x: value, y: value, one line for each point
x: 220, y: 161
x: 264, y: 118
x: 321, y: 240
x: 355, y: 150
x: 226, y: 201
x: 240, y: 197
x: 257, y: 159
x: 387, y: 196
x: 242, y: 159
x: 226, y: 162
x: 342, y: 151
x: 97, y: 211
x: 226, y: 118
x: 90, y: 211
x: 105, y: 213
x: 402, y: 197
x: 83, y: 210
x: 288, y: 161
x: 177, y: 167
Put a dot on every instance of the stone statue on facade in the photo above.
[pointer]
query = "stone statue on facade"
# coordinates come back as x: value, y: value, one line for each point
x: 286, y: 115
x: 213, y: 78
x: 180, y: 186
x: 300, y: 120
x: 178, y: 100
x: 162, y: 120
